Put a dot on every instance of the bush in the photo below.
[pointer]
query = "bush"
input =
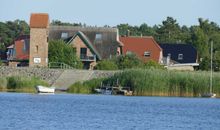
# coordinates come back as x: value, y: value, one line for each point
x: 106, y: 65
x: 153, y: 64
x: 129, y: 61
x: 23, y: 83
x: 3, y: 83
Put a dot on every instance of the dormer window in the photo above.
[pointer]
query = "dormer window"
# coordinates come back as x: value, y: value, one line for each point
x: 180, y: 57
x: 98, y: 36
x: 146, y: 54
x: 64, y: 35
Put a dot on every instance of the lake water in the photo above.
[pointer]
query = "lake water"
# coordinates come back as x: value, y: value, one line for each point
x: 66, y: 111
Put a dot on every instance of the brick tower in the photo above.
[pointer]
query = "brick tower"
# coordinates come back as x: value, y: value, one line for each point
x: 39, y: 24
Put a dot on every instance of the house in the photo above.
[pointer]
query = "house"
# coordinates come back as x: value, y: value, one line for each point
x: 18, y: 52
x: 92, y: 43
x: 179, y: 56
x: 146, y: 48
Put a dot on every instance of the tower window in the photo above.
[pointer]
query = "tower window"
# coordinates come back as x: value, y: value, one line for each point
x: 36, y: 48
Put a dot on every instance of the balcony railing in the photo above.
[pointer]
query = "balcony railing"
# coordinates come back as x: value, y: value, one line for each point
x: 87, y: 58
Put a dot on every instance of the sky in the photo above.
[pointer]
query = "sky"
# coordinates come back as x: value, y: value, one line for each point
x: 113, y: 12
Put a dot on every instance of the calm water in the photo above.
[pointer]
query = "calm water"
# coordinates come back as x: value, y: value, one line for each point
x: 66, y: 111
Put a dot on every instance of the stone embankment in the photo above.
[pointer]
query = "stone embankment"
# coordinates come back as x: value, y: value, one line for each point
x: 55, y: 77
x: 49, y: 75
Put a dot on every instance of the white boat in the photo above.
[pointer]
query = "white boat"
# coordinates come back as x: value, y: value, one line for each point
x: 43, y: 89
x: 210, y: 94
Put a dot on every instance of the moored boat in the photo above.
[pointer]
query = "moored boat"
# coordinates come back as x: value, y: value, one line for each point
x: 209, y: 95
x: 43, y: 89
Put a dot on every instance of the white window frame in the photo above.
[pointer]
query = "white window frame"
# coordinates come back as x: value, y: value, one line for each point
x: 180, y: 56
x: 147, y: 54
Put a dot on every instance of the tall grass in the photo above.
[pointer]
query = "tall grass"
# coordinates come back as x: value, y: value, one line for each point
x: 20, y: 84
x: 86, y: 87
x: 157, y: 82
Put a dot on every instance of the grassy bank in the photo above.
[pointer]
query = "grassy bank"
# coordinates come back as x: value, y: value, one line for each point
x: 20, y: 84
x: 156, y: 82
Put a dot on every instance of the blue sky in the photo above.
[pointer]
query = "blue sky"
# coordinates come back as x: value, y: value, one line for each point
x: 113, y: 12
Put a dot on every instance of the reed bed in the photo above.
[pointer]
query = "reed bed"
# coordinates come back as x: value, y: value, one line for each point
x: 157, y: 82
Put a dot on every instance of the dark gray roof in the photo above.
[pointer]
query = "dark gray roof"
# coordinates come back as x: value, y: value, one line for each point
x: 106, y: 46
x: 187, y: 50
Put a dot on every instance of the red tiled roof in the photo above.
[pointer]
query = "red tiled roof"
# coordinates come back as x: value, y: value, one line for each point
x: 139, y: 45
x: 20, y: 53
x: 39, y: 20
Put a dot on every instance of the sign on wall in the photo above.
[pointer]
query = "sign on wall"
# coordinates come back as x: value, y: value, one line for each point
x: 37, y: 60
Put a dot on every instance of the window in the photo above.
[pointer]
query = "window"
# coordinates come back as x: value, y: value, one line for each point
x: 36, y: 48
x: 64, y: 35
x: 180, y: 56
x: 146, y: 54
x: 83, y: 53
x: 98, y: 36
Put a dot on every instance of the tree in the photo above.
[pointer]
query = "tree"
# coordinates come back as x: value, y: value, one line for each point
x: 12, y: 29
x: 146, y: 30
x: 128, y: 61
x: 61, y: 52
x: 59, y: 23
x: 200, y: 41
x: 169, y: 31
x: 106, y: 65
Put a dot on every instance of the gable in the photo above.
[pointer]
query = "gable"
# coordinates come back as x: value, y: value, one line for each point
x: 80, y: 40
x: 145, y: 47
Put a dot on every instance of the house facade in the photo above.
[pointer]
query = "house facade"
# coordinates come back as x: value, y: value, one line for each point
x: 179, y: 56
x: 92, y: 43
x: 146, y: 48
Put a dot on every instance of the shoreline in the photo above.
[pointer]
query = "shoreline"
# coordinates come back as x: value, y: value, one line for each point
x: 35, y: 92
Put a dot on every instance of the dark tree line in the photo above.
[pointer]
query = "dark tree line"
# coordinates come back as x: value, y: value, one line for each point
x: 10, y: 30
x: 169, y: 31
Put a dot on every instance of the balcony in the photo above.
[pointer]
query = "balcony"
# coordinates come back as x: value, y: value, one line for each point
x: 84, y: 57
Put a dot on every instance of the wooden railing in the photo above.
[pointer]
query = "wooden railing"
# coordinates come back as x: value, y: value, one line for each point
x: 59, y: 65
x: 87, y: 58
